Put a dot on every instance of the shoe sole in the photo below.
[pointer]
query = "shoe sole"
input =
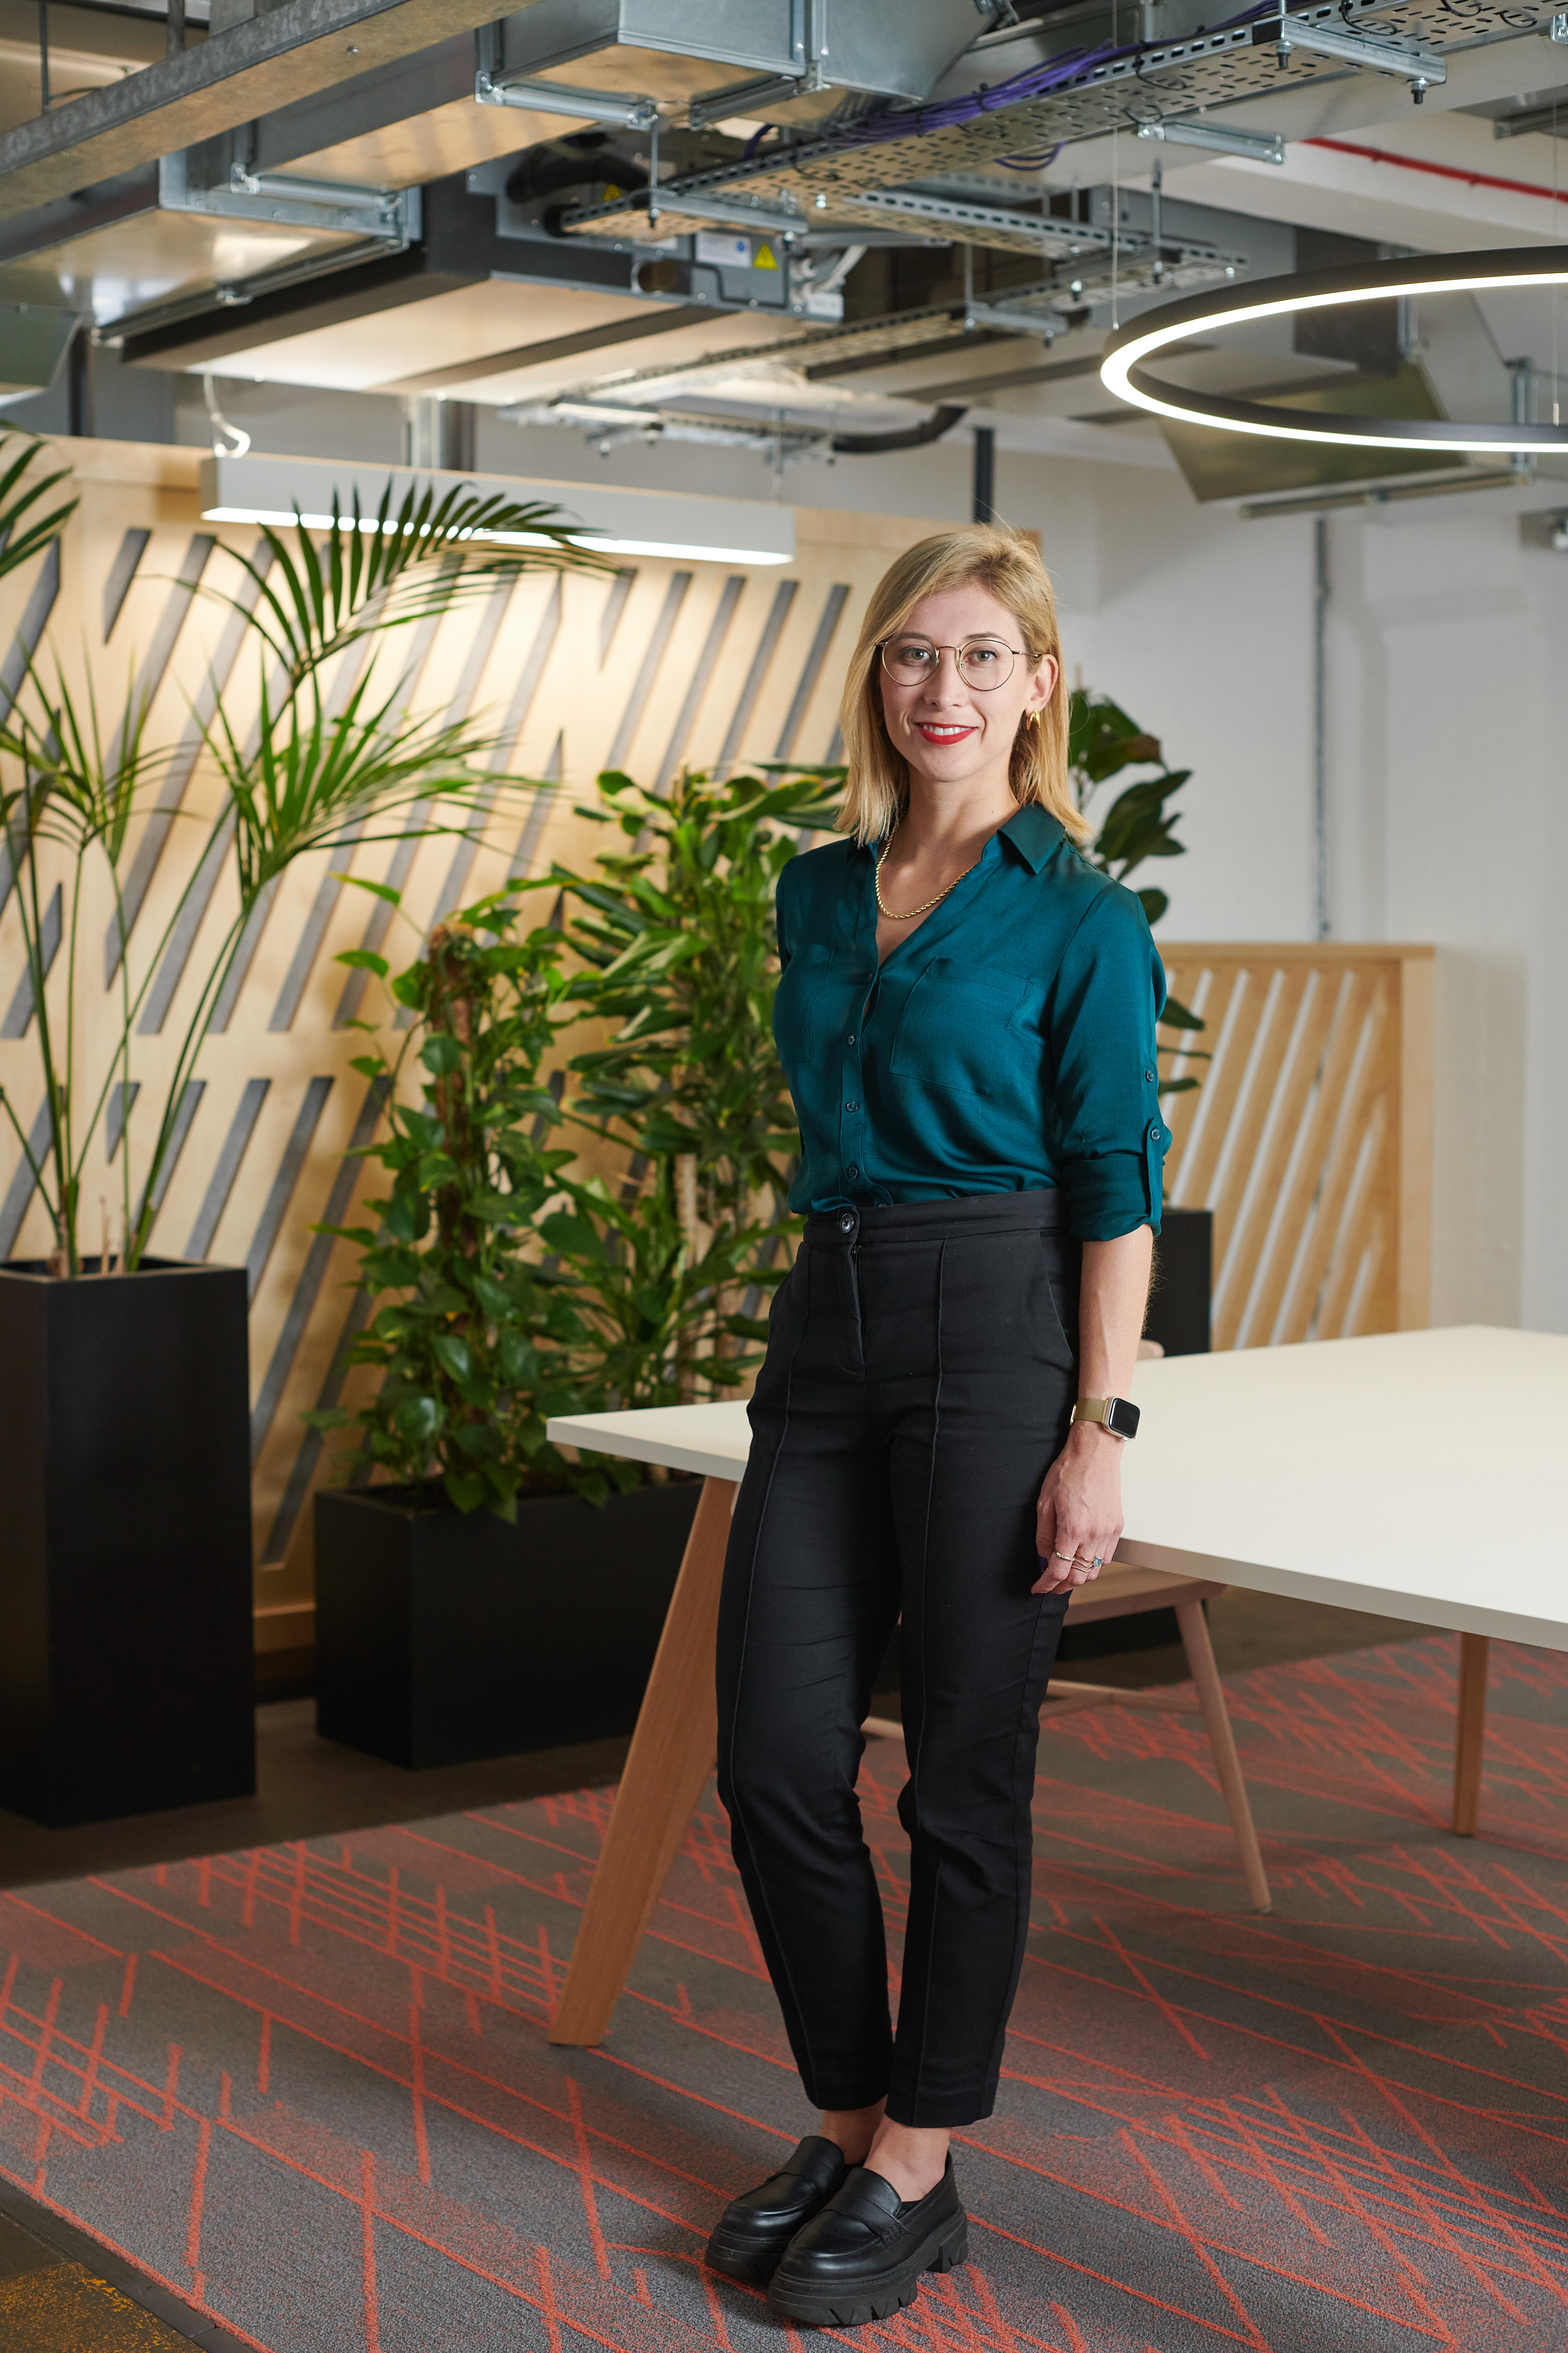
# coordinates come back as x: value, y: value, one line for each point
x: 873, y: 2300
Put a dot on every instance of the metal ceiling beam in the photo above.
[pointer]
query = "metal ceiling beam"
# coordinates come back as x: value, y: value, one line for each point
x: 277, y: 58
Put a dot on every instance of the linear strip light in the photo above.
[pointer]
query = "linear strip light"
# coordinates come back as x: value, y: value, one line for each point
x: 1124, y: 370
x: 680, y: 529
x: 1259, y: 146
x: 1421, y: 66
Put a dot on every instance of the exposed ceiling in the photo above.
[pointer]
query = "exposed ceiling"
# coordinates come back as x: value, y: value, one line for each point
x: 639, y: 219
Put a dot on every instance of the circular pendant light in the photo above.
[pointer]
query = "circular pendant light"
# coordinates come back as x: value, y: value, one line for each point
x: 1125, y: 370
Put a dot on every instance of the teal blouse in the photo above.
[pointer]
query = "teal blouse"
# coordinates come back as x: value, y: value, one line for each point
x: 1006, y: 1044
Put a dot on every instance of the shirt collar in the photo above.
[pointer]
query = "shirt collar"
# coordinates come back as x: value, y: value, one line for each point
x: 1034, y: 833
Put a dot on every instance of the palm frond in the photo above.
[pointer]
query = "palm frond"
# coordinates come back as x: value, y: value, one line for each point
x: 316, y: 777
x: 19, y: 495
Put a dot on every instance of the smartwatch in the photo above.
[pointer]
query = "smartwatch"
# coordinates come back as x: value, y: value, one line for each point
x: 1118, y: 1415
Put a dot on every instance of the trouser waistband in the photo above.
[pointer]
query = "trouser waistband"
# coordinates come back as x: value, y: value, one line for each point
x: 1040, y: 1211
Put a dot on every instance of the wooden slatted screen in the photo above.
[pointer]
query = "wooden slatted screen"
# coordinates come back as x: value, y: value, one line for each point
x: 1309, y: 1137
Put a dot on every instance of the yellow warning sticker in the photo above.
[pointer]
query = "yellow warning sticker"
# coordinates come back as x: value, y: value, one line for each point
x: 764, y: 257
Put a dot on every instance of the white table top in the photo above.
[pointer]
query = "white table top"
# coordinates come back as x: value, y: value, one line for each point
x: 1420, y: 1474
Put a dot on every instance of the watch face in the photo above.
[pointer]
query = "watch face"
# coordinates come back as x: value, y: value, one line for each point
x: 1121, y: 1417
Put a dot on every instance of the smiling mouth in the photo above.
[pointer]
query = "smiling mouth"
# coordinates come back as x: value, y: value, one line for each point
x: 935, y: 734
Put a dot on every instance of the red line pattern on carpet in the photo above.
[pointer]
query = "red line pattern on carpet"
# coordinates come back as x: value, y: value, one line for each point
x: 309, y: 2086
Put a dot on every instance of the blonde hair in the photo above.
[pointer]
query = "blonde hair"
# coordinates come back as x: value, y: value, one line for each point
x: 1008, y: 565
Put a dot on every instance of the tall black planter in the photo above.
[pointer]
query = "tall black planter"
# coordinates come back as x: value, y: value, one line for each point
x: 1178, y: 1313
x: 126, y: 1646
x: 441, y: 1639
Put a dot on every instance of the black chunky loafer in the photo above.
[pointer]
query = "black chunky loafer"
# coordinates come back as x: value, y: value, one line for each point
x: 860, y: 2258
x: 754, y: 2228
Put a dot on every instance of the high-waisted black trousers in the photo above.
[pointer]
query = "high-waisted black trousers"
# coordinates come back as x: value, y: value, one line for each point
x: 919, y: 1378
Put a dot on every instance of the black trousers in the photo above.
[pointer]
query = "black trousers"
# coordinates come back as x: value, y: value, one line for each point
x: 920, y: 1378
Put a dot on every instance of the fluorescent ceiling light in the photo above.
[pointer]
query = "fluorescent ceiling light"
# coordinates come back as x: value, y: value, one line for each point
x: 688, y: 529
x: 1124, y: 370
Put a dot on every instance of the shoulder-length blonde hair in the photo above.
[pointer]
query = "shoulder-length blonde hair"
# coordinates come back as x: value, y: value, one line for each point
x: 1008, y: 565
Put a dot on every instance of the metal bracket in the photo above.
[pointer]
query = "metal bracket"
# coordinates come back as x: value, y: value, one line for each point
x: 1012, y: 319
x: 745, y: 98
x: 555, y: 98
x: 1421, y: 66
x: 1259, y: 146
x: 389, y: 216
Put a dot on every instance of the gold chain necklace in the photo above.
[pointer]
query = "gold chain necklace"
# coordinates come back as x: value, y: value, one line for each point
x: 913, y: 912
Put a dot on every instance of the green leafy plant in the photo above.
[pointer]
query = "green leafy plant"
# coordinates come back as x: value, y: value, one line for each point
x: 480, y: 1339
x: 335, y: 761
x: 516, y: 1282
x: 676, y: 934
x: 1103, y: 741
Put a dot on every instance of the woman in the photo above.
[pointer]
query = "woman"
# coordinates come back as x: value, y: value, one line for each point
x: 966, y: 1016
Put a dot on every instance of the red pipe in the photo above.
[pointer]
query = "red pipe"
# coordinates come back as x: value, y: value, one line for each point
x: 1441, y: 171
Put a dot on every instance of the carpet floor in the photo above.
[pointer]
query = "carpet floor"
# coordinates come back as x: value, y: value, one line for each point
x: 309, y: 2088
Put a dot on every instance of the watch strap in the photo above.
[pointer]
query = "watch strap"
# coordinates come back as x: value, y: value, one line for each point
x: 1118, y: 1415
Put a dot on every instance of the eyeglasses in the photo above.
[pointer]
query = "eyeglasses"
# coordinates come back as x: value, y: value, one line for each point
x: 983, y: 662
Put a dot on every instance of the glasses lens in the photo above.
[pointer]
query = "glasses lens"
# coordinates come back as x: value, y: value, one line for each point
x: 909, y: 659
x: 985, y: 661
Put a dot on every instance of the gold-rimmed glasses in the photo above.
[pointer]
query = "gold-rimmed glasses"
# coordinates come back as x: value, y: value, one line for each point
x: 983, y: 662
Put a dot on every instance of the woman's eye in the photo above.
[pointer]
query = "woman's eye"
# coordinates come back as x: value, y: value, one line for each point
x: 982, y: 655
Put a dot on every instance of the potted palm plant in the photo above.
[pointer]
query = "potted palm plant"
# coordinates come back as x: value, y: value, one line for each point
x: 125, y: 1577
x: 488, y: 1594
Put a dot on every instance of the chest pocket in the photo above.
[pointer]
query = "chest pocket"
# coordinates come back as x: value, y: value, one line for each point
x: 961, y: 1027
x: 795, y: 1001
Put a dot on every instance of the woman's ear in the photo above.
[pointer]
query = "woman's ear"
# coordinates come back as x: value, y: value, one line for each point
x: 1047, y: 677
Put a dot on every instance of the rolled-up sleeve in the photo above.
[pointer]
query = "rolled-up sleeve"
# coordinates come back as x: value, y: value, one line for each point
x: 1107, y: 996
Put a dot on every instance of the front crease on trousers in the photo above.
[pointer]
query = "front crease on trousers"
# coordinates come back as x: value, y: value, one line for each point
x: 919, y: 1376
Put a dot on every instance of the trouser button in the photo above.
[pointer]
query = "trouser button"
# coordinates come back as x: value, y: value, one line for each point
x: 846, y: 1221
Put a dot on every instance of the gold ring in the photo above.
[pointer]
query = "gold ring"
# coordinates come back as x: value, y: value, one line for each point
x: 1068, y: 1557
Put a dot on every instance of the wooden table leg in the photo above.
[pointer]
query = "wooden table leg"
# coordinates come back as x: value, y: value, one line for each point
x: 1470, y: 1730
x: 1222, y: 1740
x: 671, y: 1756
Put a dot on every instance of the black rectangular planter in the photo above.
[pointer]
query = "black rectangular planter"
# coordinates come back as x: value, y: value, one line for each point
x: 1178, y: 1313
x: 441, y: 1639
x: 126, y: 1644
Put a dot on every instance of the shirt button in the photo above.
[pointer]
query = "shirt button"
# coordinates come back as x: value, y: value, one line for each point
x: 1154, y: 1133
x: 850, y: 1039
x: 852, y: 1170
x: 1148, y: 1074
x: 851, y: 1106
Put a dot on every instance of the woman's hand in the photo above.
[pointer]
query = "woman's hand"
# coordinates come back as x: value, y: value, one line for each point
x: 1079, y: 1510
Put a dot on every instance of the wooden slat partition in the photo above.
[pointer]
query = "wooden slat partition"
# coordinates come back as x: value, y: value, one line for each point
x: 1310, y: 1136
